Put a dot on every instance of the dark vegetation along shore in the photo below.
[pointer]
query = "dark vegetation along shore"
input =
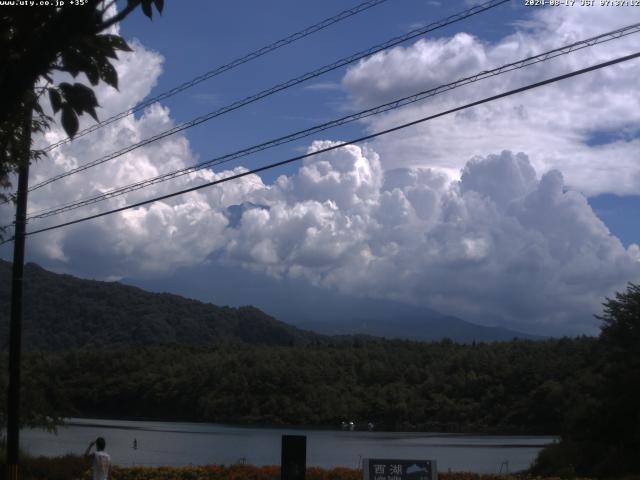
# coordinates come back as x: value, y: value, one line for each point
x: 246, y: 367
x: 517, y: 387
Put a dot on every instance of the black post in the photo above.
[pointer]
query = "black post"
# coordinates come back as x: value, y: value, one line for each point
x: 293, y: 464
x: 15, y: 325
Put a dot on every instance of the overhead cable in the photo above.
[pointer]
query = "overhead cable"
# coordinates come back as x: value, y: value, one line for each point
x: 341, y: 145
x: 224, y: 68
x: 542, y: 57
x: 282, y: 86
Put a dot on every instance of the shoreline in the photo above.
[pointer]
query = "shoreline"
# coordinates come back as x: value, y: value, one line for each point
x: 179, y: 444
x: 80, y: 421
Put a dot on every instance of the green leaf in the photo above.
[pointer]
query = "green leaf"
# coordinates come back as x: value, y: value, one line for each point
x: 55, y: 99
x: 93, y: 74
x: 92, y: 111
x: 79, y: 98
x: 110, y: 53
x: 109, y: 74
x: 74, y: 61
x: 146, y: 8
x: 69, y: 120
x: 65, y: 88
x: 85, y: 93
x: 159, y: 5
x: 117, y: 42
x: 103, y: 48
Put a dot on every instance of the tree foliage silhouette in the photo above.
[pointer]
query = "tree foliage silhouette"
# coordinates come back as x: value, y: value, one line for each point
x: 602, y: 432
x: 619, y: 413
x: 35, y: 43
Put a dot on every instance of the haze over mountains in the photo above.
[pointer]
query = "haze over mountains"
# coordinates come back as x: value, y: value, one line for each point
x: 62, y: 311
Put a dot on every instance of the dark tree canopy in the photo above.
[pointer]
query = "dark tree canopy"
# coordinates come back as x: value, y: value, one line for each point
x: 35, y: 43
x: 621, y: 323
x: 603, y: 432
x: 620, y: 412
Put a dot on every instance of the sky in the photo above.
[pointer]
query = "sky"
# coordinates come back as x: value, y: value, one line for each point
x: 522, y: 212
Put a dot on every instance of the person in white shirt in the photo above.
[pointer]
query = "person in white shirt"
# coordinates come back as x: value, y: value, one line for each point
x: 101, y: 459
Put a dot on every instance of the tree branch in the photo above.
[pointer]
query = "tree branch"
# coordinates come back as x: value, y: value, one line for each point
x: 120, y: 16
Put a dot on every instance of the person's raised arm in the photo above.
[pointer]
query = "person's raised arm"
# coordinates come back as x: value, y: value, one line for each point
x: 87, y: 453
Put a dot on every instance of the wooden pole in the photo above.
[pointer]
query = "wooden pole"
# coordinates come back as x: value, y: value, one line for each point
x: 15, y: 325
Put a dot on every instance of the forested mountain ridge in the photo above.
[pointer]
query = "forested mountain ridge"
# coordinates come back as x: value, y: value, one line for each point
x: 64, y: 312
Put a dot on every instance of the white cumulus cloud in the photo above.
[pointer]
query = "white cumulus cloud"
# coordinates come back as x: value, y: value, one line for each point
x: 587, y: 127
x: 501, y: 243
x: 447, y: 215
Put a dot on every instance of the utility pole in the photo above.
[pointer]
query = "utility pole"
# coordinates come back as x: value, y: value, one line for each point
x: 15, y: 325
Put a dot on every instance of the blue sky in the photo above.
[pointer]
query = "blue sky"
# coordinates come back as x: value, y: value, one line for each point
x: 196, y: 39
x: 207, y: 34
x: 521, y: 213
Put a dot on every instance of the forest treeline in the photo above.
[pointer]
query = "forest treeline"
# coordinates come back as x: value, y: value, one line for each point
x: 517, y: 386
x: 63, y: 312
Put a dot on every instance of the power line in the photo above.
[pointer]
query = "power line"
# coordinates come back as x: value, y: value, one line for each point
x: 282, y: 86
x: 344, y: 144
x: 567, y: 49
x: 225, y: 68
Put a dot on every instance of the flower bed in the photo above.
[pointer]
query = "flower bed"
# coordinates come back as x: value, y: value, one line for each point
x: 249, y: 472
x: 73, y: 467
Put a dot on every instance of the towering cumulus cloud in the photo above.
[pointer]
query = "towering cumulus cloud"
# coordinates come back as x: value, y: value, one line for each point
x: 500, y: 242
x: 481, y: 215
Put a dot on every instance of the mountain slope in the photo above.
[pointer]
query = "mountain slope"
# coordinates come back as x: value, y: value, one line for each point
x: 385, y: 318
x: 424, y: 327
x: 61, y: 312
x: 324, y: 310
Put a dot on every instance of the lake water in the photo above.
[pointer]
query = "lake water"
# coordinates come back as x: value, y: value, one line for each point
x: 173, y: 443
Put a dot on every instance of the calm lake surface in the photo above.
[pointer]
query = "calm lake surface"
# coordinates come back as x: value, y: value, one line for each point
x: 173, y: 443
